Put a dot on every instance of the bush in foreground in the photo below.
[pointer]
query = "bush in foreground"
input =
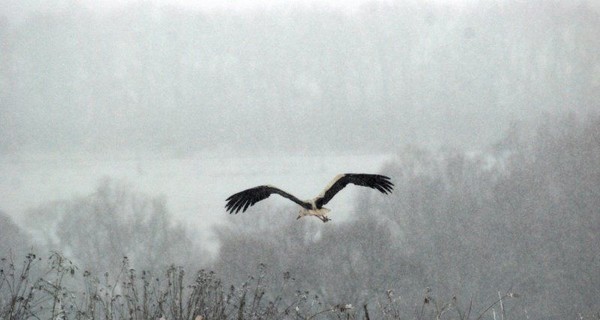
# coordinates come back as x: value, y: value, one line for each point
x: 57, y: 289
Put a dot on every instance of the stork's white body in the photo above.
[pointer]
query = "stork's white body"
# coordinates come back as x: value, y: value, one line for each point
x: 319, y: 213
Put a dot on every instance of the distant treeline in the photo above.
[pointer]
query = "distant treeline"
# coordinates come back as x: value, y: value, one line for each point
x: 524, y: 220
x: 459, y: 232
x: 159, y: 78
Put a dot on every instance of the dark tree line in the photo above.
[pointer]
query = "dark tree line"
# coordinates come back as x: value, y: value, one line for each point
x: 524, y: 218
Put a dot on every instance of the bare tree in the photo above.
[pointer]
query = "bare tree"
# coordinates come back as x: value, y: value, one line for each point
x: 114, y: 222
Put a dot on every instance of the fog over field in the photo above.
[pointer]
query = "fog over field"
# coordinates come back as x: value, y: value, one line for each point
x: 124, y: 126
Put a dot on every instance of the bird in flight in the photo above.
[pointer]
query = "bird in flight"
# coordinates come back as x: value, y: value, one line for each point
x: 314, y: 207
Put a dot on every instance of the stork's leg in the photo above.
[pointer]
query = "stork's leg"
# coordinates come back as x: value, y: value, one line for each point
x: 324, y: 218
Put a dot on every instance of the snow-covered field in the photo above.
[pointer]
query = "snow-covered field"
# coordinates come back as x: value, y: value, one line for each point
x: 195, y: 187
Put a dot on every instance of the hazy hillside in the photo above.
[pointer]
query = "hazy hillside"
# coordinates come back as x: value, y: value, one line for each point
x: 527, y: 224
x: 145, y: 77
x: 123, y: 129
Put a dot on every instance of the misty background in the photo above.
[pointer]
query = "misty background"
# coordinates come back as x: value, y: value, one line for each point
x: 123, y: 128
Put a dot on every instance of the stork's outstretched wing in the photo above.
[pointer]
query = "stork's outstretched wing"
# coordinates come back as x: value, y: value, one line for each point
x: 244, y: 199
x: 375, y: 181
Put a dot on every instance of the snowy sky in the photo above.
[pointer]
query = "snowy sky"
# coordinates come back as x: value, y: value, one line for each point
x: 246, y: 4
x: 15, y: 8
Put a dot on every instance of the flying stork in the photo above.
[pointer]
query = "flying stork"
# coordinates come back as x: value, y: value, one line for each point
x: 244, y: 199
